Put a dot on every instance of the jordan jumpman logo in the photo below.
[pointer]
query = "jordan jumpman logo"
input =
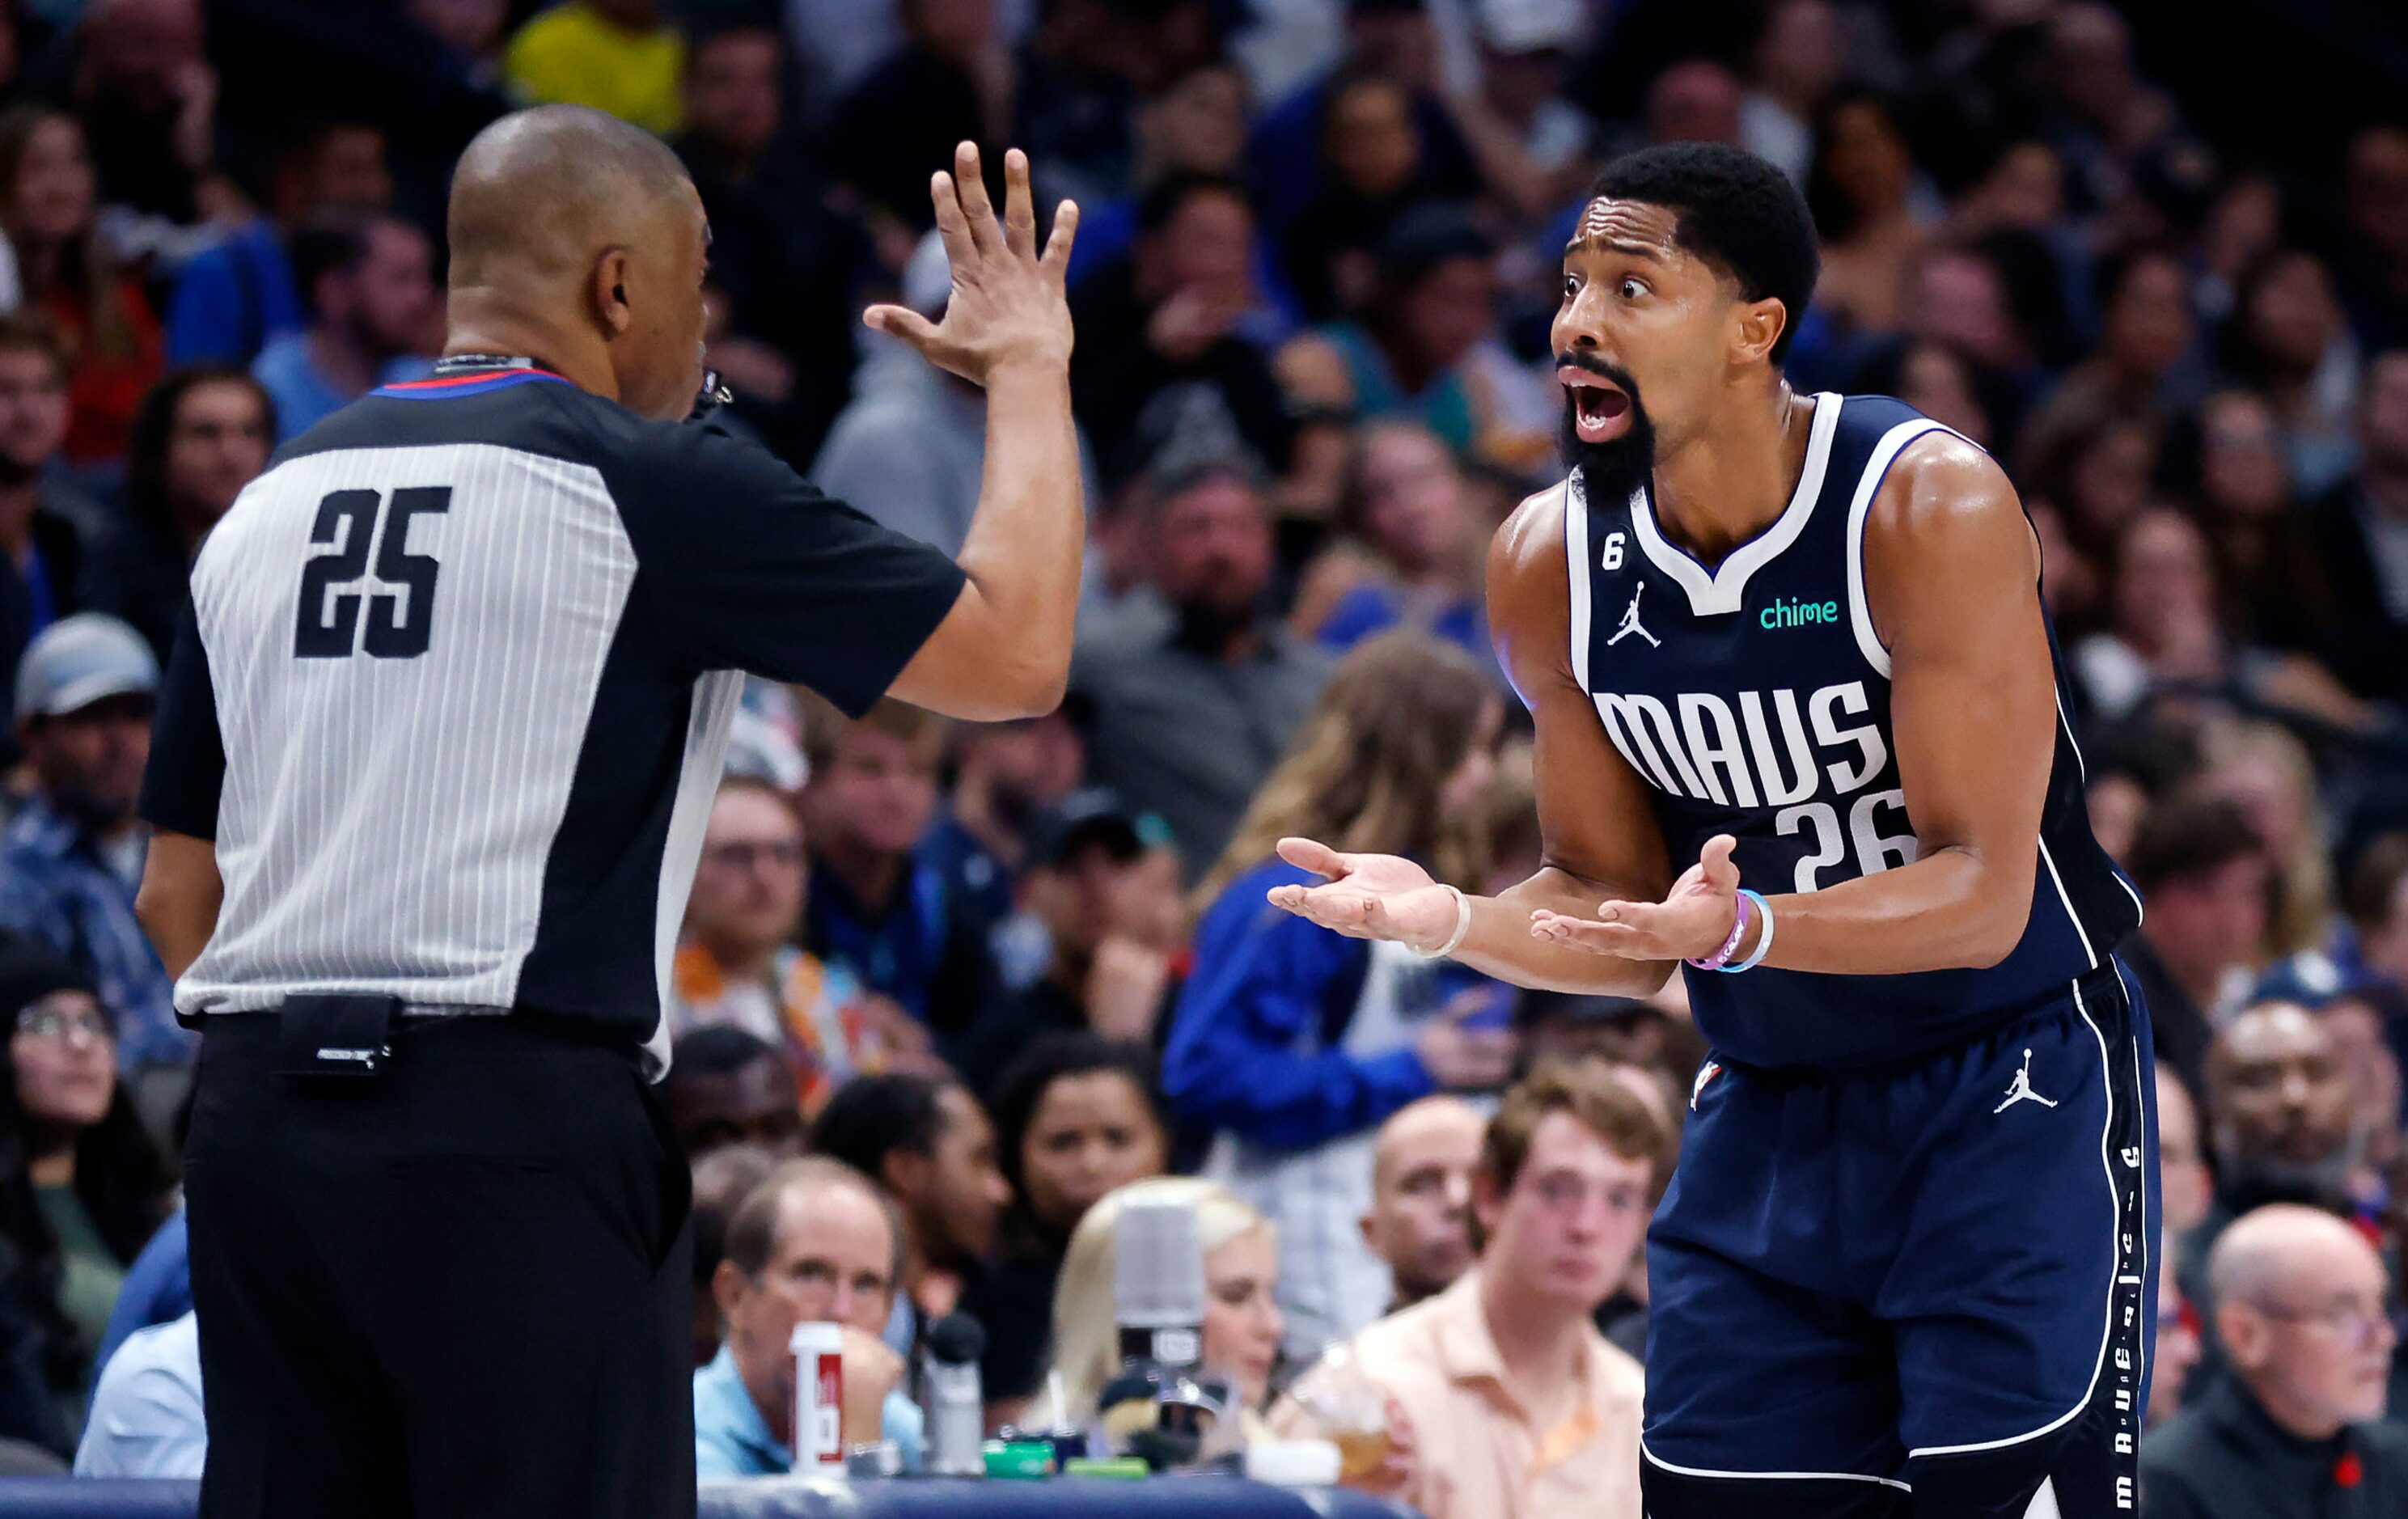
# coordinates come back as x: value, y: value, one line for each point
x: 2021, y: 1089
x: 1630, y: 621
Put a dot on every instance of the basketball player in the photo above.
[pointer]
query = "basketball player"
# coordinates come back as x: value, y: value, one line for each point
x: 1903, y: 1268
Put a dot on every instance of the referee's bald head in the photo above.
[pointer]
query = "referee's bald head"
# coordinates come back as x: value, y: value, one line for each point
x: 580, y: 239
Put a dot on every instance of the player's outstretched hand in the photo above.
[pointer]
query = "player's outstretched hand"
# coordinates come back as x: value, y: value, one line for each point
x: 1690, y: 923
x: 1008, y: 304
x: 1367, y: 896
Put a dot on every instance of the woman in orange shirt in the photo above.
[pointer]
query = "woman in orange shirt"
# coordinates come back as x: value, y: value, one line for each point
x: 47, y: 204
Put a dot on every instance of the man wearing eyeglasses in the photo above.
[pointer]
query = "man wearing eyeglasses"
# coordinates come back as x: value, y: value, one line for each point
x: 2304, y: 1308
x: 1504, y: 1401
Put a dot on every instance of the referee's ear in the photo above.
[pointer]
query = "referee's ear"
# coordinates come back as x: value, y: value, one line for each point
x: 610, y: 292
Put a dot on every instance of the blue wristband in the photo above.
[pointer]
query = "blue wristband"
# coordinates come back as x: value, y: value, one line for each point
x: 1764, y: 940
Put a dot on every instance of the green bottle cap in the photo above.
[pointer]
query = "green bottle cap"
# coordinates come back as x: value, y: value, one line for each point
x: 1113, y: 1465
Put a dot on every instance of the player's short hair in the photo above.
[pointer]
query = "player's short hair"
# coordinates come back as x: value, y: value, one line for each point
x: 1590, y: 1091
x: 2189, y: 837
x: 752, y: 1229
x: 1734, y: 210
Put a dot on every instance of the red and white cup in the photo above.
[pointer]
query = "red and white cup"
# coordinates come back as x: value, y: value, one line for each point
x: 819, y: 1397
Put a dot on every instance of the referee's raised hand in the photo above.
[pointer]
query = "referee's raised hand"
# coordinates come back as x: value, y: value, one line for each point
x: 1008, y: 305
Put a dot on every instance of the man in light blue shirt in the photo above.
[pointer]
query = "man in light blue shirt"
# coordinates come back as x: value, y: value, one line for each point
x: 375, y: 311
x: 814, y: 1243
x: 145, y: 1415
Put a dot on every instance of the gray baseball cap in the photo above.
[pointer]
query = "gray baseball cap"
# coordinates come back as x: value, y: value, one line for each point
x: 80, y: 660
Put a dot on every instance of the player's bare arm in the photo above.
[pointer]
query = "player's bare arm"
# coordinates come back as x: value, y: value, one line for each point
x: 1601, y: 842
x: 1952, y: 582
x: 1004, y: 651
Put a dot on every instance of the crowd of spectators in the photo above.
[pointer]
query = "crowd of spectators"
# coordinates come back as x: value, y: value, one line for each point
x: 989, y: 976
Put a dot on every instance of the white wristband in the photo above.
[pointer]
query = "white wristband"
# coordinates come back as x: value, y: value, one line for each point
x: 1462, y: 927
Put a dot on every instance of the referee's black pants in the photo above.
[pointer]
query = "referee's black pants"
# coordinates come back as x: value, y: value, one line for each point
x: 458, y: 1289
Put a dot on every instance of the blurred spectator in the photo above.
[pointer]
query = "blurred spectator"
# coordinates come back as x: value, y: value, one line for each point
x: 2278, y: 1107
x: 32, y: 1430
x: 2375, y: 901
x: 1861, y: 187
x: 1530, y: 143
x: 786, y: 263
x: 877, y: 908
x: 2374, y: 266
x: 1424, y: 347
x: 2358, y: 1024
x: 1076, y: 1117
x: 619, y: 56
x: 368, y: 285
x: 2272, y: 589
x: 2100, y: 114
x: 2184, y: 1187
x: 64, y: 267
x: 723, y: 1179
x: 1241, y: 1321
x: 1190, y: 718
x: 1293, y: 1045
x: 2362, y: 530
x: 1798, y: 61
x: 158, y: 1285
x: 71, y: 858
x: 1159, y: 330
x: 2304, y: 1310
x: 952, y: 81
x: 200, y: 436
x: 2175, y: 1350
x: 739, y: 964
x: 927, y: 1145
x: 471, y: 32
x: 1005, y: 777
x: 1104, y: 883
x: 146, y: 1413
x: 2266, y: 773
x: 1193, y: 125
x: 143, y: 87
x: 1695, y: 100
x: 2161, y: 611
x: 1945, y: 386
x: 728, y: 1087
x: 814, y: 1243
x: 1371, y: 156
x: 81, y: 1185
x: 1414, y: 555
x: 1419, y: 1221
x: 1515, y: 1405
x: 233, y: 298
x: 1335, y: 145
x: 2288, y: 341
x: 1082, y: 74
x: 2204, y: 873
x: 44, y: 525
x: 2145, y: 333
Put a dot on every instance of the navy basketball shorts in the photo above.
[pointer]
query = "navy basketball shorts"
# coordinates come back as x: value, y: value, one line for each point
x: 1919, y: 1291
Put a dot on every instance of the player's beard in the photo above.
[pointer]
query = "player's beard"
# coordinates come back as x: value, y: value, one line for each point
x: 1610, y: 470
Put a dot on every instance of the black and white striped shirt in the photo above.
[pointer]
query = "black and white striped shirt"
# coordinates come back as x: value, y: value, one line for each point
x: 455, y: 686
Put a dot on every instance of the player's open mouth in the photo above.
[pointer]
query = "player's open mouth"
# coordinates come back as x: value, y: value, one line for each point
x: 1601, y: 410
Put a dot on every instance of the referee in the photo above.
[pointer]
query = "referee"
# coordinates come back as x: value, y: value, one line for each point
x: 431, y: 769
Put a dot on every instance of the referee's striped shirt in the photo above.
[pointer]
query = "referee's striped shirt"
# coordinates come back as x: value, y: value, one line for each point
x: 454, y: 690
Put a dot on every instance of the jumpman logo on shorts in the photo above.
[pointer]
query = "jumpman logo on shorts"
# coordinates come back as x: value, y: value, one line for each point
x: 1630, y: 621
x: 2020, y: 1090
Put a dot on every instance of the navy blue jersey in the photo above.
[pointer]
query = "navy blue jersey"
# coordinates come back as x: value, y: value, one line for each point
x: 1755, y: 700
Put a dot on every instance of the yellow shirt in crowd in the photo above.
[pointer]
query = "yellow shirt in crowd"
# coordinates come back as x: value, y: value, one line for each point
x: 573, y: 55
x: 1480, y: 1455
